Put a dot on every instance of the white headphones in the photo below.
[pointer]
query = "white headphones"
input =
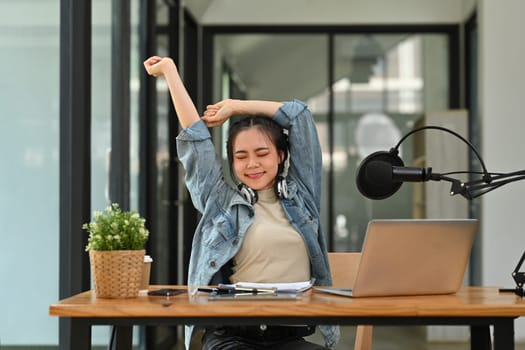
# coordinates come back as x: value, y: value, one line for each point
x: 280, y: 188
x: 248, y: 194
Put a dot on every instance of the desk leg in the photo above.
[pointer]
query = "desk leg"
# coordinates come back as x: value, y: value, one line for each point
x: 80, y: 335
x: 504, y: 334
x: 480, y: 338
x: 124, y: 339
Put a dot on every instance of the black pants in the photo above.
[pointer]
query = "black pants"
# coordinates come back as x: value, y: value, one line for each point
x: 258, y: 338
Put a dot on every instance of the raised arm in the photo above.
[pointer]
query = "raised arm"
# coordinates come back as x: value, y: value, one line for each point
x: 217, y: 114
x: 164, y: 66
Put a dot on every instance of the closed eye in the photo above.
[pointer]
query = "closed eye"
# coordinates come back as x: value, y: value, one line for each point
x: 263, y: 153
x: 241, y: 155
x: 259, y: 152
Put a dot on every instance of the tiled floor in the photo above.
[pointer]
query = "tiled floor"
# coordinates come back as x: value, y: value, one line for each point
x: 384, y: 338
x: 395, y: 338
x: 399, y: 338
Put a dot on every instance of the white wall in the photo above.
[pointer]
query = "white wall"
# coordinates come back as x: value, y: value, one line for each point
x: 467, y: 8
x: 501, y: 104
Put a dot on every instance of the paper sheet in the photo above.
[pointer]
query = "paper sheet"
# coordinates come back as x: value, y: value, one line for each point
x: 292, y: 287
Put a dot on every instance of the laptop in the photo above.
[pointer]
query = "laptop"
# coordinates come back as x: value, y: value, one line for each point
x: 412, y: 257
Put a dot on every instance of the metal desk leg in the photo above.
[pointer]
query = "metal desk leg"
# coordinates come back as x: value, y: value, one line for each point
x: 480, y: 338
x: 124, y: 339
x: 504, y: 334
x: 79, y: 335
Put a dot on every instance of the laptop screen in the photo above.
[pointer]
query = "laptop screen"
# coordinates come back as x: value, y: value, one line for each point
x: 414, y: 257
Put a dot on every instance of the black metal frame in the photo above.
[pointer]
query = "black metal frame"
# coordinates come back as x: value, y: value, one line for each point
x: 479, y: 326
x: 147, y: 138
x: 191, y: 80
x: 147, y: 119
x: 75, y: 148
x: 120, y: 100
x: 176, y: 200
x: 473, y: 135
x: 75, y: 137
x: 452, y: 32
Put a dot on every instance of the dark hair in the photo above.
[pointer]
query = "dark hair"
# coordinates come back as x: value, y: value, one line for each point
x: 267, y: 126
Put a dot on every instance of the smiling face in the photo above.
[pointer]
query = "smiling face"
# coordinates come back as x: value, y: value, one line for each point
x: 255, y: 159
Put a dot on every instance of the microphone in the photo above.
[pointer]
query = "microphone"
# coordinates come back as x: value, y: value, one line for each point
x: 382, y: 173
x: 374, y: 178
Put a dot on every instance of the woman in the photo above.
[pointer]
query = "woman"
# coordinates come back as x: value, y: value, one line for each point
x: 247, y: 233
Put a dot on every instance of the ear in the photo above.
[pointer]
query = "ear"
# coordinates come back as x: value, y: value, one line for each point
x: 281, y: 156
x: 281, y: 165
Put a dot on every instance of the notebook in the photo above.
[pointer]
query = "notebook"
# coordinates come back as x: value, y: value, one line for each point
x: 412, y: 257
x: 281, y: 291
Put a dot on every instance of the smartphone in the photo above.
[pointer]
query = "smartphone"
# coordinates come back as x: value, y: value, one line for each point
x: 165, y: 292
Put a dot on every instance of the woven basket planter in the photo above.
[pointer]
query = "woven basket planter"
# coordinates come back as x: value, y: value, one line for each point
x: 116, y: 273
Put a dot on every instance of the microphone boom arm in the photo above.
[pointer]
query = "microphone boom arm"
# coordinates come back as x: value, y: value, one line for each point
x: 456, y: 187
x: 469, y: 189
x: 476, y: 188
x: 435, y: 127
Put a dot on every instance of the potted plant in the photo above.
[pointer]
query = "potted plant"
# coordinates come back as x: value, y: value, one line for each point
x: 116, y: 251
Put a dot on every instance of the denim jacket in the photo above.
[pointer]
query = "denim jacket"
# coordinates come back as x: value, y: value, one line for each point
x: 226, y: 215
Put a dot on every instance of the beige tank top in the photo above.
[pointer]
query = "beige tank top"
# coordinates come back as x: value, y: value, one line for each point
x: 272, y: 251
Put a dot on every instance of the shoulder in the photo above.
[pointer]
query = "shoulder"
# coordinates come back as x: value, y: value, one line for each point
x: 196, y: 131
x: 294, y: 107
x: 291, y: 110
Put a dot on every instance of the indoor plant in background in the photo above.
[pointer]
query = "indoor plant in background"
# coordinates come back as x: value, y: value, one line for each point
x: 116, y: 251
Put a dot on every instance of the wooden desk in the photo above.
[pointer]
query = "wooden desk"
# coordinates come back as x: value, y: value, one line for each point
x: 478, y: 307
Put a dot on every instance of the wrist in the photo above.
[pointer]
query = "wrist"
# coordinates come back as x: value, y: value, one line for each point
x: 169, y: 66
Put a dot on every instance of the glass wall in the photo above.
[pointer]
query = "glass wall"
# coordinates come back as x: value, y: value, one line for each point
x: 380, y: 85
x: 101, y: 103
x: 29, y: 139
x: 101, y: 106
x: 378, y: 80
x: 274, y: 67
x: 100, y: 119
x: 383, y: 83
x: 29, y: 180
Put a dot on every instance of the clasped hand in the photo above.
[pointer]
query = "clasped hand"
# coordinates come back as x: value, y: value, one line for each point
x: 218, y: 113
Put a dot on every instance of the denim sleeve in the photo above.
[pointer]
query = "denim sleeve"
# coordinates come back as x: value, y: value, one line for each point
x: 331, y: 335
x: 305, y: 149
x: 203, y: 171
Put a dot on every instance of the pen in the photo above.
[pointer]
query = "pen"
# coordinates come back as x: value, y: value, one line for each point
x: 207, y: 290
x: 256, y: 290
x: 229, y: 289
x: 219, y: 290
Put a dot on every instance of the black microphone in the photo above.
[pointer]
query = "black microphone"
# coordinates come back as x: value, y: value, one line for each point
x: 380, y: 172
x: 374, y: 177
